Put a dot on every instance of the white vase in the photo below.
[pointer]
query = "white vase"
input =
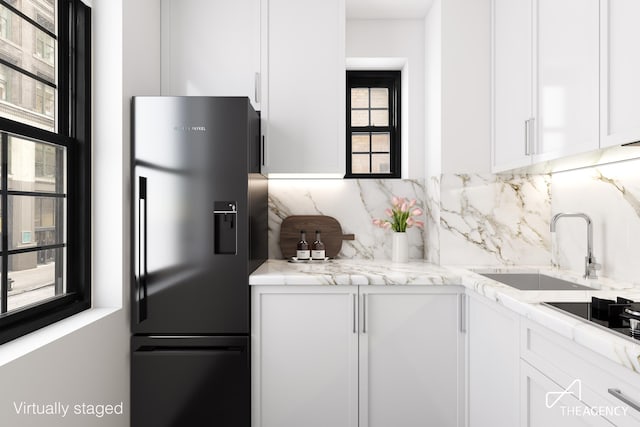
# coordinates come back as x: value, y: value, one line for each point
x: 400, y: 247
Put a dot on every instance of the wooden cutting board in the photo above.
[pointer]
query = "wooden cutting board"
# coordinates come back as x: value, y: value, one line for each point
x: 330, y: 233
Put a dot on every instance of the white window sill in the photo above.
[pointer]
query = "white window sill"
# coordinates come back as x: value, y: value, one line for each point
x: 19, y: 347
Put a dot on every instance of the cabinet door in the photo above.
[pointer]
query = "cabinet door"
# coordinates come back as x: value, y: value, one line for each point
x: 567, y: 47
x: 303, y: 120
x: 494, y: 365
x: 512, y: 84
x: 211, y: 48
x: 620, y: 68
x: 410, y: 358
x: 546, y: 404
x: 305, y: 355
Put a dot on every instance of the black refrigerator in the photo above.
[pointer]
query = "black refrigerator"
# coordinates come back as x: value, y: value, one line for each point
x: 199, y: 228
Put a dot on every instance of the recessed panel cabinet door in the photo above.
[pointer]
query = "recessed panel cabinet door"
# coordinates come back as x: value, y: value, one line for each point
x: 512, y: 84
x: 620, y: 68
x: 567, y: 47
x: 211, y: 48
x: 304, y: 111
x: 494, y: 364
x: 304, y: 356
x: 411, y: 355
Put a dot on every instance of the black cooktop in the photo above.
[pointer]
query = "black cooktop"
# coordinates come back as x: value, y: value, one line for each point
x: 603, y: 312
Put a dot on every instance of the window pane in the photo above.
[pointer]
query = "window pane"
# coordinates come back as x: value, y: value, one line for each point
x: 36, y: 166
x: 379, y: 117
x: 360, y: 163
x: 360, y: 98
x: 31, y: 282
x: 380, y: 142
x: 9, y: 25
x: 359, y: 117
x: 26, y: 100
x: 34, y: 221
x: 360, y: 142
x: 380, y: 163
x: 45, y: 50
x: 30, y: 49
x: 379, y: 97
x: 43, y: 14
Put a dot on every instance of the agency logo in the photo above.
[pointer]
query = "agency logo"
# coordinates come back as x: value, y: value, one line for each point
x: 553, y: 397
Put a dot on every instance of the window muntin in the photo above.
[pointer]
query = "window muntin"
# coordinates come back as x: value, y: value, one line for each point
x: 373, y: 137
x: 45, y: 165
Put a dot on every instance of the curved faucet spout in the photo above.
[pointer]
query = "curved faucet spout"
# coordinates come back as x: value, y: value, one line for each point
x: 590, y: 264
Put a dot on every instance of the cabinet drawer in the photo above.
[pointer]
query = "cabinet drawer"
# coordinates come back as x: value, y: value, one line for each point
x: 564, y: 362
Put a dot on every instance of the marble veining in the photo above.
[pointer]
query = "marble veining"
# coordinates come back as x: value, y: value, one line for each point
x: 622, y: 351
x: 432, y: 224
x: 494, y: 219
x: 354, y: 203
x: 610, y: 195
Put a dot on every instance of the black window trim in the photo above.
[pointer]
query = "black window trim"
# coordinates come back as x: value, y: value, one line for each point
x: 379, y: 78
x: 73, y: 133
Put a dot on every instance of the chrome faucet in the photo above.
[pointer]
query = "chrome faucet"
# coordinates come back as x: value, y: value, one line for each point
x: 590, y: 264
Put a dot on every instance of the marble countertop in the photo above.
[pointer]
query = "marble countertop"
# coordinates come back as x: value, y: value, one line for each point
x: 526, y: 303
x: 352, y: 272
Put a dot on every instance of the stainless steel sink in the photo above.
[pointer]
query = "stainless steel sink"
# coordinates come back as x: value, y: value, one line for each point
x: 535, y: 282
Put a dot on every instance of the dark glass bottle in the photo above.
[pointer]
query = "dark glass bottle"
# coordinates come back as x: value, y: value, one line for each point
x: 317, y: 251
x: 303, y: 252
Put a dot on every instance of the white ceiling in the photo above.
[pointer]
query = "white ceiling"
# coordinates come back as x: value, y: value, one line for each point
x: 387, y: 9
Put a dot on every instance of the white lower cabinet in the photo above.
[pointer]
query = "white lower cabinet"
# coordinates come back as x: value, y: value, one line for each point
x: 357, y: 356
x: 565, y: 384
x: 493, y: 364
x: 304, y: 356
x: 410, y: 357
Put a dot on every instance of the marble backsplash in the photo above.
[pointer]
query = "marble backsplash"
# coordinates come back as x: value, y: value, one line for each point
x: 354, y: 203
x: 610, y: 195
x: 484, y: 219
x: 490, y: 219
x: 470, y: 219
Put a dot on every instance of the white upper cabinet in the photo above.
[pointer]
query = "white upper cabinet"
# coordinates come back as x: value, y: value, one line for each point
x: 512, y: 84
x: 567, y: 78
x: 211, y: 48
x: 620, y: 71
x: 303, y: 116
x: 545, y: 80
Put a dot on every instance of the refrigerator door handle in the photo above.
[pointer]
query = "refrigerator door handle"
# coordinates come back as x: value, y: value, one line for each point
x: 197, y: 349
x: 142, y: 249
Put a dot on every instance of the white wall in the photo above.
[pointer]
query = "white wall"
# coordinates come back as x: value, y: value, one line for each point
x: 85, y: 359
x: 404, y: 40
x: 433, y: 89
x: 466, y: 66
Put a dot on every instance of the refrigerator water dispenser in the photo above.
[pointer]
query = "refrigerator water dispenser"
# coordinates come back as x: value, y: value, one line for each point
x: 225, y: 228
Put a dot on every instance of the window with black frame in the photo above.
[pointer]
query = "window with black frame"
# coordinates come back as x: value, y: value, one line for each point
x: 373, y: 124
x: 45, y: 155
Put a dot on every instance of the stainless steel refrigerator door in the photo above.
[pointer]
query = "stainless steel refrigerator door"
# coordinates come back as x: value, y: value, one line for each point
x: 190, y: 160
